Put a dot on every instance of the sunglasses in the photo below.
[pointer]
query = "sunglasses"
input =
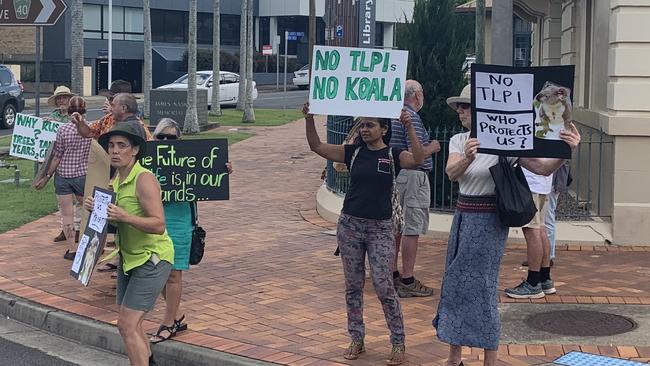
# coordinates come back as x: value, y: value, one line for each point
x: 166, y: 136
x: 463, y: 105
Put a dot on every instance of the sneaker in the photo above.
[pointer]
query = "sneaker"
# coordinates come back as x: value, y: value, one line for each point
x: 69, y: 255
x: 59, y: 238
x: 548, y: 287
x: 416, y: 289
x: 525, y: 291
x: 396, y: 281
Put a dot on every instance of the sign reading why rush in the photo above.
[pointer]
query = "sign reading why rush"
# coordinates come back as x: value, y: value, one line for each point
x: 31, y: 12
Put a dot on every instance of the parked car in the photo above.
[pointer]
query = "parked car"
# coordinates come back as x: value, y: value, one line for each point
x: 301, y: 77
x: 12, y: 100
x: 228, y: 86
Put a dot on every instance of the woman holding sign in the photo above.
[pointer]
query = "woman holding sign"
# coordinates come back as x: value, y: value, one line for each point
x: 146, y: 252
x: 467, y: 312
x: 366, y: 225
x: 178, y: 220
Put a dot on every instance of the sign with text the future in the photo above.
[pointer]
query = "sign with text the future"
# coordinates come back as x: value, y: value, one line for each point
x: 31, y: 12
x: 357, y: 81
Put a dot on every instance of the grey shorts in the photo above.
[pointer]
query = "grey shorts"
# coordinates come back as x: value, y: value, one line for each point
x: 64, y: 186
x: 141, y: 287
x: 415, y: 197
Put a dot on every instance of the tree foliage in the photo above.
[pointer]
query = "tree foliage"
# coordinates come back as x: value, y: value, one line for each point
x: 437, y: 39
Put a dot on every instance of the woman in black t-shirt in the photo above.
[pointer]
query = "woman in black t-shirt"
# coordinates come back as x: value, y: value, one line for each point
x: 365, y: 224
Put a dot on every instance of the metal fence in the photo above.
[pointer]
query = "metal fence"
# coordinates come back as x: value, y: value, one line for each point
x: 584, y: 201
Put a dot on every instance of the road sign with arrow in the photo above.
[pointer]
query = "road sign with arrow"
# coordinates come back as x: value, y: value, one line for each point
x: 31, y: 12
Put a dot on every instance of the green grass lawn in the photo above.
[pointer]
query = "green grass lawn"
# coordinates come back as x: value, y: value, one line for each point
x: 263, y: 117
x: 23, y: 204
x: 5, y: 141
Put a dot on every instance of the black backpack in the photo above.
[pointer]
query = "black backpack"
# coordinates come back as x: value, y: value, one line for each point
x: 515, y: 204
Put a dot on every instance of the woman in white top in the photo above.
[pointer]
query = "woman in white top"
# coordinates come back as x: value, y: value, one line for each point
x: 467, y: 312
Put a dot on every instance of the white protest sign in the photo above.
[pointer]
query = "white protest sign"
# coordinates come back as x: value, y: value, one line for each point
x: 505, y: 131
x: 32, y: 137
x: 81, y: 250
x: 504, y: 92
x: 357, y: 81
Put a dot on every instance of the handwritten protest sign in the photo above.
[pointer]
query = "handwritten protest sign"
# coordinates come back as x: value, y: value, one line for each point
x: 357, y: 81
x: 521, y: 111
x: 189, y: 170
x: 32, y: 137
x: 91, y: 243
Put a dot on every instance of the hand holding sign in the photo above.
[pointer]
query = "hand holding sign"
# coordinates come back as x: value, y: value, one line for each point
x: 471, y: 149
x: 571, y: 135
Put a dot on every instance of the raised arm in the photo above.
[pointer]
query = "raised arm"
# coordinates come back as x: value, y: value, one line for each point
x: 546, y: 166
x: 80, y: 122
x: 328, y: 151
x: 415, y: 157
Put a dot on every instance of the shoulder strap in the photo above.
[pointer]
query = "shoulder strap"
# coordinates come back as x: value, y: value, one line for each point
x: 354, y: 156
x: 194, y: 213
x: 392, y: 162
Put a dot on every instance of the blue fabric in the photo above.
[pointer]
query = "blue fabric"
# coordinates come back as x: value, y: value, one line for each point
x: 399, y: 137
x: 468, y: 312
x: 178, y: 219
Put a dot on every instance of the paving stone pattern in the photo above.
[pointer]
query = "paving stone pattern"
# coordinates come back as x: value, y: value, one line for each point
x: 269, y: 287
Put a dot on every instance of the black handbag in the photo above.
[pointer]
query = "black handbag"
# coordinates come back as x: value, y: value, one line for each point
x: 515, y: 204
x: 198, y: 238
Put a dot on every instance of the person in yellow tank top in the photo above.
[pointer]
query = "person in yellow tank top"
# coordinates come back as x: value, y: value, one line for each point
x: 145, y: 248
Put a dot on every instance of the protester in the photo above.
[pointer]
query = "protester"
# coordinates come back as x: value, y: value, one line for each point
x: 467, y: 311
x: 125, y: 109
x: 146, y: 251
x: 60, y: 100
x: 178, y: 220
x: 365, y: 223
x: 70, y: 163
x: 538, y: 282
x: 415, y: 194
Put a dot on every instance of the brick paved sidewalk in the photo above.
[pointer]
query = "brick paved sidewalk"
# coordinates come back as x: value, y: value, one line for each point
x: 269, y: 287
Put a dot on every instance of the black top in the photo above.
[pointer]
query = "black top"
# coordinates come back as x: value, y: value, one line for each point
x: 371, y: 183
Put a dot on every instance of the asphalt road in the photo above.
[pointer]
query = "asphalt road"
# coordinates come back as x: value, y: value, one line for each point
x: 21, y: 345
x: 271, y: 99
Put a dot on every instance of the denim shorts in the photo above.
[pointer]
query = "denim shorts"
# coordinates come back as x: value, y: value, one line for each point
x: 64, y: 186
x: 139, y: 289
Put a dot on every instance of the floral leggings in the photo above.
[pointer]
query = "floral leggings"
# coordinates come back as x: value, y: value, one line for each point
x: 356, y: 236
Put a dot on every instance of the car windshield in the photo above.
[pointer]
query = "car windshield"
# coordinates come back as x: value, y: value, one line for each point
x: 200, y: 79
x: 306, y: 67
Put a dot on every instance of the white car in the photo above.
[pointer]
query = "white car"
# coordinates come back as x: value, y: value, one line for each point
x: 301, y: 77
x: 228, y: 86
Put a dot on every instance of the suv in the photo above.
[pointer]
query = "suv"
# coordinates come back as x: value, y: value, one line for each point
x: 11, y: 97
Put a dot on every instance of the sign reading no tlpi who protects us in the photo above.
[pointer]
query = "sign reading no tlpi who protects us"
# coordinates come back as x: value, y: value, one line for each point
x: 357, y: 81
x: 521, y: 111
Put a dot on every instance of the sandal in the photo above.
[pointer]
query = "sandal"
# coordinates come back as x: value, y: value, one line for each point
x: 355, y: 349
x: 179, y: 325
x: 158, y: 337
x: 397, y: 355
x: 108, y: 267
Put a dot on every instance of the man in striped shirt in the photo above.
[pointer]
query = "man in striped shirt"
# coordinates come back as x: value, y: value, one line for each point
x: 415, y: 194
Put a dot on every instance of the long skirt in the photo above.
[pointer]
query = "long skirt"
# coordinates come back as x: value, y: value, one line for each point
x: 468, y: 312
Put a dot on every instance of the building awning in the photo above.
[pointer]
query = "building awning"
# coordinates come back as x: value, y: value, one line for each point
x: 170, y: 53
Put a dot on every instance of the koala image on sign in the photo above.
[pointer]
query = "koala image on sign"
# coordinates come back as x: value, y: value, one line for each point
x: 553, y: 110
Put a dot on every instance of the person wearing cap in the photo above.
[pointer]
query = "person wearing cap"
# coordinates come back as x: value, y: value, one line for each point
x: 145, y: 249
x: 414, y: 193
x: 467, y: 313
x: 124, y: 109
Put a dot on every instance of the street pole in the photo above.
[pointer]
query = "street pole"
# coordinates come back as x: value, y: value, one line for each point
x: 286, y: 60
x: 312, y: 28
x: 277, y: 62
x: 502, y: 23
x: 110, y: 42
x: 37, y: 72
x: 479, y: 32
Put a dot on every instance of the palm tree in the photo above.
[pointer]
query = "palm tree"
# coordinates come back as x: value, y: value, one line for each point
x: 146, y: 12
x: 216, y: 57
x: 191, y: 125
x: 77, y: 45
x: 249, y: 113
x: 242, y: 54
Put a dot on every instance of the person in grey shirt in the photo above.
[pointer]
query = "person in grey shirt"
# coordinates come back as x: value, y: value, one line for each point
x: 415, y: 194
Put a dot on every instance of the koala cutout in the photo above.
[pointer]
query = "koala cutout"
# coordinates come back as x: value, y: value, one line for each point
x: 553, y: 110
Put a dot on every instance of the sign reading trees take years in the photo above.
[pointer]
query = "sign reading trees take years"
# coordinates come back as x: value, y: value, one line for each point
x: 32, y: 137
x: 357, y: 81
x: 189, y: 170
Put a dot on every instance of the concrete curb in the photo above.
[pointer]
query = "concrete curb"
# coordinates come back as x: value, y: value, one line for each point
x: 100, y: 335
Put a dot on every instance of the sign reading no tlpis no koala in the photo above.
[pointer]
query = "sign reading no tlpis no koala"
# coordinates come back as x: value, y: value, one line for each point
x: 357, y: 81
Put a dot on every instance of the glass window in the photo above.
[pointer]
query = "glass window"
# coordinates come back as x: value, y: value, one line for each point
x: 200, y: 79
x: 230, y: 79
x: 118, y: 19
x: 169, y: 26
x: 133, y: 20
x: 204, y: 28
x: 92, y: 17
x: 230, y: 30
x: 5, y: 77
